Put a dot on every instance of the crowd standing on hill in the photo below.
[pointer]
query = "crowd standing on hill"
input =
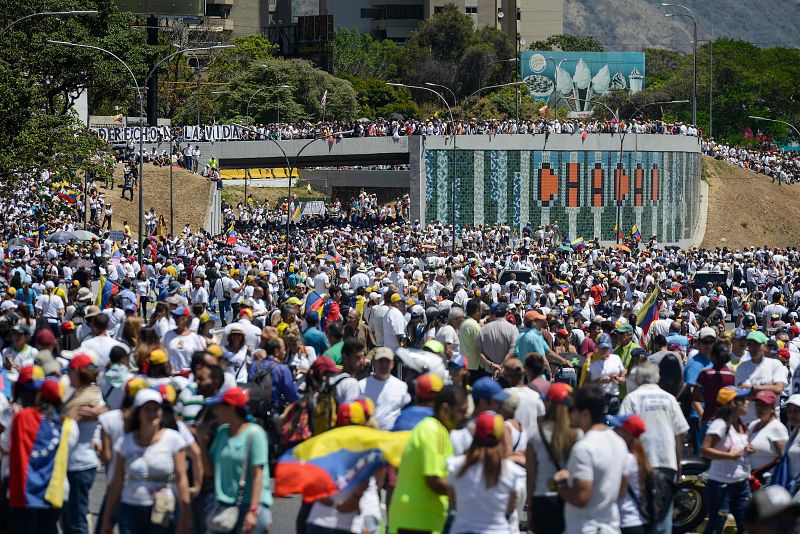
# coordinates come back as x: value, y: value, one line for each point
x: 782, y: 167
x: 530, y: 379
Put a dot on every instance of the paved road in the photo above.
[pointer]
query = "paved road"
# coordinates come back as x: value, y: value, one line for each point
x: 284, y: 511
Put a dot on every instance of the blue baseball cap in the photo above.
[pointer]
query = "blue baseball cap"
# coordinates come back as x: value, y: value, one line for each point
x: 604, y: 341
x: 457, y: 361
x: 487, y: 388
x: 740, y: 333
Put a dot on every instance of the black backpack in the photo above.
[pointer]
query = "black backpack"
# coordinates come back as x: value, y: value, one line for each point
x: 656, y: 497
x: 260, y: 390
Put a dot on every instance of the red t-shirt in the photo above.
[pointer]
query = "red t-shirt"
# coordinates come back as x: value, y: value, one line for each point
x: 710, y: 381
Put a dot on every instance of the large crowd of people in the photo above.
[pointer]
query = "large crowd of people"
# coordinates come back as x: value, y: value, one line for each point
x: 782, y: 167
x: 537, y: 382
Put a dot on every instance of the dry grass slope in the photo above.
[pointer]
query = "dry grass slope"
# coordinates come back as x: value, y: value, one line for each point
x: 190, y: 196
x: 746, y: 209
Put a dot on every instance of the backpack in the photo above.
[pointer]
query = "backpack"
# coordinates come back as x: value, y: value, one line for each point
x: 295, y: 423
x: 260, y: 390
x: 656, y: 497
x: 324, y: 414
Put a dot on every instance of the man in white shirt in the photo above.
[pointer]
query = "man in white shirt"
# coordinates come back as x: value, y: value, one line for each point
x: 394, y: 323
x: 448, y: 334
x: 181, y: 343
x: 593, y: 479
x: 100, y: 343
x: 531, y: 407
x: 665, y: 424
x: 389, y: 393
x: 760, y: 372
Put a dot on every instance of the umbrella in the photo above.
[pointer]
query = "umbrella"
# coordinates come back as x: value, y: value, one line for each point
x: 242, y: 249
x: 60, y: 237
x: 18, y: 241
x: 565, y: 248
x: 80, y: 262
x: 622, y: 247
x: 396, y: 116
x: 83, y: 235
x: 422, y: 361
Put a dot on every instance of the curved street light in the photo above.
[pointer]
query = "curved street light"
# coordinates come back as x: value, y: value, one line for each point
x: 453, y: 126
x: 141, y: 136
x: 492, y: 87
x: 50, y: 14
x: 789, y: 124
x: 690, y: 14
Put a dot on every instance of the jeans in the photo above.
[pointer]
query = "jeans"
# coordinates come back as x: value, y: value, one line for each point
x: 224, y: 309
x: 665, y: 525
x: 136, y: 520
x: 200, y: 506
x: 75, y: 510
x: 720, y: 497
x: 34, y: 520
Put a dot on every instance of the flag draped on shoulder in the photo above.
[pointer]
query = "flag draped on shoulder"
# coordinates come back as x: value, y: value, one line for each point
x: 107, y: 289
x: 649, y: 311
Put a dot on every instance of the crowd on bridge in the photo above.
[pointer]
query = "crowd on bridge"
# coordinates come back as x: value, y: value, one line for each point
x: 512, y: 377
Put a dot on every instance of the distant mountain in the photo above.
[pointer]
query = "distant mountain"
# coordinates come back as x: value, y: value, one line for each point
x: 636, y: 24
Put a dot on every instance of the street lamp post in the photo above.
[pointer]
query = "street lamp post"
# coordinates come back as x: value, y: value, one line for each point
x: 494, y: 87
x: 453, y: 126
x: 694, y: 59
x: 260, y: 90
x: 789, y: 124
x: 141, y: 136
x: 49, y: 14
x: 455, y: 100
x: 171, y: 148
x: 555, y: 77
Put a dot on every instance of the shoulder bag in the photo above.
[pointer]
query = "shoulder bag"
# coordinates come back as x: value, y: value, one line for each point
x: 223, y: 517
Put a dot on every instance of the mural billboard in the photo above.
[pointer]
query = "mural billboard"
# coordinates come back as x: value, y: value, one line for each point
x: 574, y: 79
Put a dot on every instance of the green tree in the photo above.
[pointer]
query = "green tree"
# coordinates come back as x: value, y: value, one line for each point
x: 377, y: 99
x: 359, y: 54
x: 447, y: 34
x: 568, y: 43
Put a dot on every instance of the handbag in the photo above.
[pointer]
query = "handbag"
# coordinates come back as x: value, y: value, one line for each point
x: 223, y: 517
x: 163, y: 507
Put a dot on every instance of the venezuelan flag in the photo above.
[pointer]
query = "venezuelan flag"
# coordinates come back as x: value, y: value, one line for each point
x: 649, y: 311
x: 635, y: 233
x: 337, y: 460
x: 105, y: 292
x: 577, y: 243
x: 118, y: 118
x: 39, y: 455
x: 70, y: 199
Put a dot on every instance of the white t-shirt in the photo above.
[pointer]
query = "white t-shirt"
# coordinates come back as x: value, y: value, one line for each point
x: 768, y: 371
x: 596, y: 458
x: 101, y: 346
x: 447, y: 334
x: 320, y: 283
x: 394, y: 324
x: 113, y: 424
x: 389, y: 396
x: 764, y: 440
x: 530, y: 409
x: 180, y: 348
x: 609, y: 367
x: 376, y: 322
x: 478, y: 508
x: 663, y: 419
x: 325, y: 516
x: 728, y: 470
x: 148, y: 469
x: 629, y: 515
x: 49, y: 306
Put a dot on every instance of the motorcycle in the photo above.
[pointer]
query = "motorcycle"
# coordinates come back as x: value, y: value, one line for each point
x: 689, y: 506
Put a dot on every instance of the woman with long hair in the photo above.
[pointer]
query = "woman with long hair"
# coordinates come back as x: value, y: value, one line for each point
x: 766, y: 434
x: 131, y: 329
x: 161, y: 321
x: 148, y: 342
x: 237, y: 354
x: 149, y: 475
x: 238, y: 440
x: 548, y: 451
x: 636, y: 467
x: 484, y: 481
x: 726, y: 445
x: 143, y: 291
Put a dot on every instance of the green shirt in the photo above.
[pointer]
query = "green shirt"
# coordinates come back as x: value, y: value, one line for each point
x: 467, y: 334
x: 414, y: 505
x: 335, y: 352
x: 227, y: 454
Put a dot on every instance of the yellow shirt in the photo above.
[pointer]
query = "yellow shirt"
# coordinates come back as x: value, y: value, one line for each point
x: 414, y: 505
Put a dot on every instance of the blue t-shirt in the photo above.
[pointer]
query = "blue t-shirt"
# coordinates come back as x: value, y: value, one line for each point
x: 313, y: 337
x: 530, y: 341
x: 693, y: 368
x: 681, y: 341
x: 410, y: 416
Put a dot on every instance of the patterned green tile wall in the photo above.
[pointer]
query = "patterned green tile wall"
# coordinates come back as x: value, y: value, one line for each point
x: 659, y: 192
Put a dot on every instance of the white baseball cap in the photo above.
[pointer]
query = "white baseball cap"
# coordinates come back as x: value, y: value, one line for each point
x: 707, y: 331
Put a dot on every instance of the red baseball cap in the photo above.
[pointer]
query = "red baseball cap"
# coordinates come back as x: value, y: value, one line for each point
x: 323, y: 364
x: 236, y: 397
x: 767, y: 397
x: 632, y: 424
x: 50, y: 390
x: 559, y: 393
x: 81, y: 361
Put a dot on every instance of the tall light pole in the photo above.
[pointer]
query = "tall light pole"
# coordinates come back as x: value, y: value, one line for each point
x: 455, y: 100
x: 260, y: 90
x: 49, y: 14
x: 141, y: 136
x: 555, y: 76
x: 171, y: 148
x: 694, y: 59
x: 453, y: 126
x: 493, y: 87
x: 789, y: 124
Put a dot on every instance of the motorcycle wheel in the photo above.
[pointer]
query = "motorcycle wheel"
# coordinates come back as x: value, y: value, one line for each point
x: 689, y: 507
